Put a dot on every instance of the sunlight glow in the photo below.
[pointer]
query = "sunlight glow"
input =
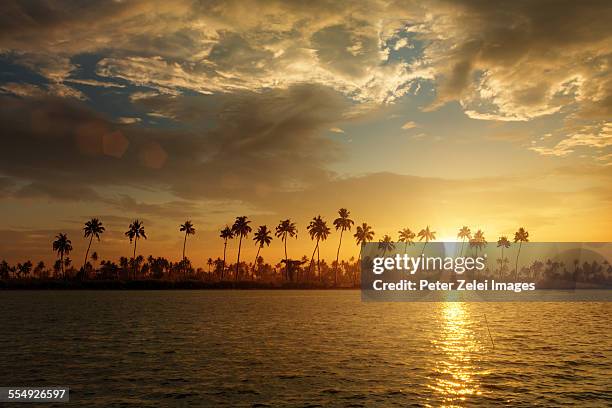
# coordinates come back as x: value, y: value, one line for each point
x: 456, y: 377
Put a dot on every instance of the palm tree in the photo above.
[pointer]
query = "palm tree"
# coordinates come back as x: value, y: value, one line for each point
x: 262, y: 237
x: 189, y: 230
x: 285, y: 229
x: 240, y: 228
x: 478, y: 241
x: 502, y: 265
x: 135, y: 231
x: 464, y: 234
x: 67, y: 262
x: 62, y: 245
x: 503, y: 243
x: 427, y: 235
x: 363, y: 235
x: 25, y: 268
x: 209, y: 262
x: 40, y: 267
x: 520, y: 236
x: 407, y: 237
x: 317, y: 229
x: 93, y: 228
x: 94, y: 258
x: 226, y: 233
x: 386, y: 244
x: 342, y: 223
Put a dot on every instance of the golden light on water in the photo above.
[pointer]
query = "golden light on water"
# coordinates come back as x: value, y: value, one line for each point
x: 456, y: 376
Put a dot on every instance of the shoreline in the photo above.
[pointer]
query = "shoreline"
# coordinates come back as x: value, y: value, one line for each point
x: 161, y: 285
x: 154, y: 284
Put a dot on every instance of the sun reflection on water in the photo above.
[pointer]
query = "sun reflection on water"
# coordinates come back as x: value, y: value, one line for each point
x: 455, y: 377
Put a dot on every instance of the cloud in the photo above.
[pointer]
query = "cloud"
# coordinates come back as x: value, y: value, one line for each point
x: 336, y: 130
x: 128, y: 121
x: 521, y: 60
x: 56, y: 191
x: 597, y: 136
x: 409, y: 125
x: 93, y: 82
x: 22, y: 89
x: 6, y: 185
x: 215, y: 46
x: 260, y: 142
x: 55, y: 68
x: 503, y: 61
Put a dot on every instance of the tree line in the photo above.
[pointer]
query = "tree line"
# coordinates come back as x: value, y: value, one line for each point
x: 304, y: 269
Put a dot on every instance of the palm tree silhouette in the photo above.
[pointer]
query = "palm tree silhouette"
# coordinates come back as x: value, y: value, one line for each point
x: 242, y: 229
x: 407, y: 237
x: 24, y: 268
x: 93, y: 228
x: 189, y: 229
x: 427, y: 235
x: 209, y: 262
x: 285, y: 229
x: 502, y: 265
x: 503, y: 243
x: 386, y: 244
x: 520, y: 236
x: 317, y: 229
x: 478, y: 241
x: 62, y: 245
x: 363, y: 235
x: 40, y: 267
x: 263, y: 236
x: 135, y: 231
x: 226, y: 233
x: 464, y: 234
x: 342, y: 223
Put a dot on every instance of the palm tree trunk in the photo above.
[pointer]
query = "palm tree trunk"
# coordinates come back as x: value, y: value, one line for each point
x: 184, y: 263
x: 224, y: 250
x: 286, y: 260
x: 238, y: 261
x: 312, y: 259
x: 517, y: 258
x: 462, y: 243
x: 355, y: 273
x: 319, y: 264
x: 338, y: 256
x: 134, y: 260
x: 255, y: 263
x: 62, y: 261
x: 87, y: 253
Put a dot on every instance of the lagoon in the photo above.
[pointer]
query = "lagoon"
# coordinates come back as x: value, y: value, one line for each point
x: 297, y: 348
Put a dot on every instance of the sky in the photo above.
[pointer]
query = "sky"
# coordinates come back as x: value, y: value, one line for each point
x: 494, y: 115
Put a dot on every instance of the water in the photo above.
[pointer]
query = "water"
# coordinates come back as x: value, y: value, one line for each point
x: 303, y: 348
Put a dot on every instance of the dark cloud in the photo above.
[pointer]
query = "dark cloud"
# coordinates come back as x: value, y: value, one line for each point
x: 343, y: 49
x: 255, y: 143
x: 523, y: 56
x: 6, y: 185
x: 56, y: 191
x: 178, y: 209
